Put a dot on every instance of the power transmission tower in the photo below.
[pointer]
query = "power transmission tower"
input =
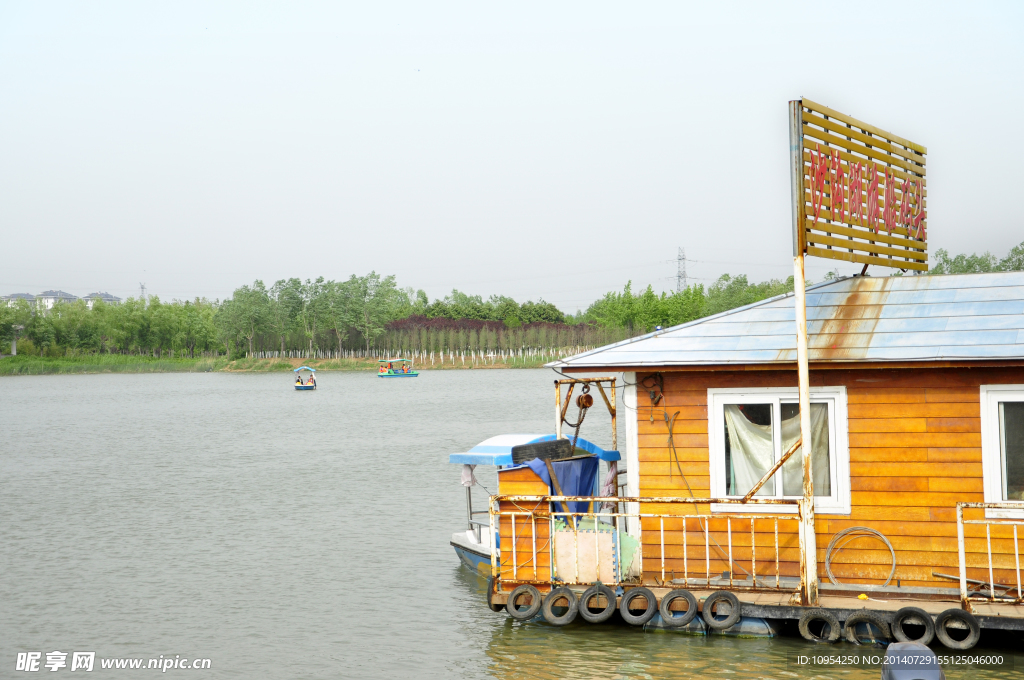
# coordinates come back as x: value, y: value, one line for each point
x: 142, y: 292
x: 681, y: 271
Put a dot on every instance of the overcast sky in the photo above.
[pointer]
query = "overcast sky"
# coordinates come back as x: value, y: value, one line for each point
x: 549, y: 150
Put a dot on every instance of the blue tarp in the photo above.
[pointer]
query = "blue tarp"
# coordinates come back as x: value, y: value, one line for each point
x: 498, y: 450
x: 576, y: 477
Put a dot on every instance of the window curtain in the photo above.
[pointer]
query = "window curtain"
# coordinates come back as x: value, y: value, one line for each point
x: 793, y: 469
x: 752, y: 453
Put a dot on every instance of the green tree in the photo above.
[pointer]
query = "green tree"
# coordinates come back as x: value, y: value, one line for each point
x: 731, y: 292
x: 1014, y: 260
x: 165, y: 322
x: 942, y: 263
x: 250, y: 311
x: 13, y: 320
x: 128, y: 324
x: 373, y: 298
x: 540, y: 311
x: 102, y: 316
x: 284, y: 306
x: 197, y: 328
x: 313, y: 311
x: 339, y: 308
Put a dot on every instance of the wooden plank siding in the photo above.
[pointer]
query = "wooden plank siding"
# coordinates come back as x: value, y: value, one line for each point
x: 524, y: 482
x: 915, y: 451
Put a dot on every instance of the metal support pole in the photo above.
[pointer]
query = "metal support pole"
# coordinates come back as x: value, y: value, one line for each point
x: 495, y: 549
x: 615, y: 422
x: 558, y: 410
x: 809, y: 556
x: 962, y: 556
x: 469, y: 514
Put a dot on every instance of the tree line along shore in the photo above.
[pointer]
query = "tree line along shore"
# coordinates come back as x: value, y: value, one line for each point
x: 350, y: 324
x: 126, y: 363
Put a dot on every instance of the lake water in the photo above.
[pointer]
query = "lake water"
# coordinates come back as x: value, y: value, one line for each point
x: 287, y: 534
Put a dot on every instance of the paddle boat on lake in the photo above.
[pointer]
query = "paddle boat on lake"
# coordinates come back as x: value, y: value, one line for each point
x: 307, y: 384
x: 396, y: 368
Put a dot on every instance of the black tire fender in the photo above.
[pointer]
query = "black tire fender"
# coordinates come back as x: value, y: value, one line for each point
x: 528, y: 612
x: 964, y: 617
x: 910, y: 613
x: 669, y: 619
x: 876, y: 620
x: 550, y: 602
x: 648, y: 614
x: 708, y: 610
x: 592, y: 592
x: 834, y: 629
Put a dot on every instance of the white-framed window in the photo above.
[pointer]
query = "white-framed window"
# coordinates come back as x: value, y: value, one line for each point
x: 1002, y: 446
x: 750, y: 429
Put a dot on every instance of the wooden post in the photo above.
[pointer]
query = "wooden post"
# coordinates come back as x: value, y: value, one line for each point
x: 809, y: 554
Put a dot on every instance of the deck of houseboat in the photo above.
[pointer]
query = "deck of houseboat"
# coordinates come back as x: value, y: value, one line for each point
x: 545, y: 546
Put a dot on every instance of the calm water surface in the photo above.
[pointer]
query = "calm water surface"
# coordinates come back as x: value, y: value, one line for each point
x: 288, y: 534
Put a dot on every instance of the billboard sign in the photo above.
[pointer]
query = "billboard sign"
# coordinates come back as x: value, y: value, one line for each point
x: 859, y: 192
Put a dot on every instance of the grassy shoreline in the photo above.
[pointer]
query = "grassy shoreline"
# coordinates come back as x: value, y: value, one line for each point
x: 116, y: 363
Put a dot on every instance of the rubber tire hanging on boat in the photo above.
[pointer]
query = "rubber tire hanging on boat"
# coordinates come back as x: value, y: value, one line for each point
x: 669, y: 619
x: 876, y: 620
x: 709, y: 614
x: 594, y: 591
x: 550, y: 600
x: 629, y: 596
x: 526, y: 613
x: 905, y: 613
x: 967, y: 619
x: 834, y: 629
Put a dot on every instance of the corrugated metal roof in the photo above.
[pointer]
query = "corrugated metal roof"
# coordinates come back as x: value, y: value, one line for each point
x: 900, y: 318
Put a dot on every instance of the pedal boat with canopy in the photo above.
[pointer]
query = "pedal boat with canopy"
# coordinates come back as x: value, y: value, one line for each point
x: 396, y: 368
x: 307, y: 383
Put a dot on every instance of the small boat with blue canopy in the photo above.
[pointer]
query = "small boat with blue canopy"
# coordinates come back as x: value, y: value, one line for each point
x: 304, y: 379
x: 396, y: 368
x: 533, y: 456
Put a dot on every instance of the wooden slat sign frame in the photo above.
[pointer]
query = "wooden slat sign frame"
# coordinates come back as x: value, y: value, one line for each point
x: 859, y: 192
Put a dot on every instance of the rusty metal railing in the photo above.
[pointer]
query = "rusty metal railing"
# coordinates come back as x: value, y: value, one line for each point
x: 989, y: 523
x: 552, y: 510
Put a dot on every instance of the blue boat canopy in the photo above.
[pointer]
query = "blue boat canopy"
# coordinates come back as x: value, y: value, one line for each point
x: 498, y: 450
x: 304, y: 368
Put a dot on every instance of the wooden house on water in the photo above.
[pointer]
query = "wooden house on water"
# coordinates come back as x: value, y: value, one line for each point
x: 917, y: 400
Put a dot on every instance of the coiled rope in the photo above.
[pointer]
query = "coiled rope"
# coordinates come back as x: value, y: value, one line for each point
x: 852, y: 534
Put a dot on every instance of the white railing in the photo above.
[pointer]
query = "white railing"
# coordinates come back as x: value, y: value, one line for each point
x: 571, y: 536
x: 1003, y: 525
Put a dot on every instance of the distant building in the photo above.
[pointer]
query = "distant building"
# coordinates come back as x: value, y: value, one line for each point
x: 106, y: 297
x: 12, y: 299
x: 48, y: 298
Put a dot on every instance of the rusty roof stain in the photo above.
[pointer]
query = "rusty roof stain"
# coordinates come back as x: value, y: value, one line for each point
x: 860, y: 319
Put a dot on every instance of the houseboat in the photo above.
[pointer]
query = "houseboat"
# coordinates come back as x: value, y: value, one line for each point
x: 917, y: 461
